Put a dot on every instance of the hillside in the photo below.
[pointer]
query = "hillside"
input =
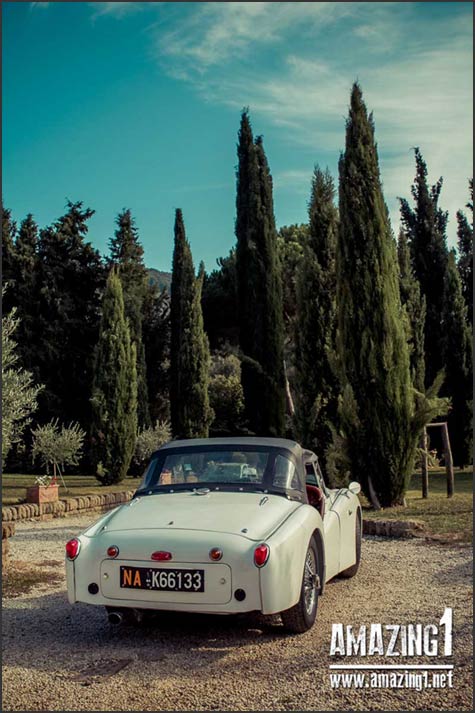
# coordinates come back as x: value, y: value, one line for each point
x: 161, y: 279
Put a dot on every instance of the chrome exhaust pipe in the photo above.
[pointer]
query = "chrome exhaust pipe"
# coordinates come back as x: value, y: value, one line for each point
x: 115, y: 617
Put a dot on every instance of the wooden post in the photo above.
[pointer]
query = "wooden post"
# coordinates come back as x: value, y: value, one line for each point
x: 424, y: 470
x: 449, y: 464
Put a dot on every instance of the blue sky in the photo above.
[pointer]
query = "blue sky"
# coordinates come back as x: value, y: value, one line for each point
x: 137, y: 105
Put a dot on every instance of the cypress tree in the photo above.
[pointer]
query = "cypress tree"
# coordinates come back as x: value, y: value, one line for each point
x: 259, y: 287
x: 378, y: 405
x: 465, y: 249
x: 291, y: 243
x: 114, y: 391
x: 127, y: 253
x: 317, y: 386
x: 156, y: 340
x: 201, y: 412
x: 189, y: 404
x: 459, y: 365
x: 425, y: 226
x: 415, y: 307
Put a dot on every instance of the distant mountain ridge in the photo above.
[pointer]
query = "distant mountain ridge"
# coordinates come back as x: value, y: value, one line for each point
x: 163, y: 280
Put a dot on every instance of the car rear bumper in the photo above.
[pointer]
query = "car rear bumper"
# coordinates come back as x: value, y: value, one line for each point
x: 224, y: 581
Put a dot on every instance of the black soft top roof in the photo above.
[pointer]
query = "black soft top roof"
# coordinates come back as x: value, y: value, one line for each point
x: 233, y: 441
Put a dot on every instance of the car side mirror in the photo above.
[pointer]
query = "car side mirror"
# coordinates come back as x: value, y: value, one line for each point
x: 354, y: 488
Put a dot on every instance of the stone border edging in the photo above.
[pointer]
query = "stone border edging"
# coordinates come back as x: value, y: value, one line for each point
x: 393, y: 528
x: 65, y: 506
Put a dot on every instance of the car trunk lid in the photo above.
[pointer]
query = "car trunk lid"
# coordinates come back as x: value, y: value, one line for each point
x: 251, y: 515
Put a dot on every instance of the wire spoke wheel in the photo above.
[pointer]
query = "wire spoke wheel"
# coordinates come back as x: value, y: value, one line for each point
x: 301, y: 616
x: 310, y: 581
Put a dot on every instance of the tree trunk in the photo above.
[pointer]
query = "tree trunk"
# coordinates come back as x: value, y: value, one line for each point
x: 372, y: 496
x: 425, y: 472
x: 449, y: 464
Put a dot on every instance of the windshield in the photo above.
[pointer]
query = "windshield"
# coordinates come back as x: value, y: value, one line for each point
x: 224, y: 466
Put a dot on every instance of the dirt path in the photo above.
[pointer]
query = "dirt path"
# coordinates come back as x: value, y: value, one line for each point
x: 62, y: 657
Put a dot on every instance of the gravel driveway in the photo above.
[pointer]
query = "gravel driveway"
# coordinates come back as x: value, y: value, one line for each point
x: 60, y: 657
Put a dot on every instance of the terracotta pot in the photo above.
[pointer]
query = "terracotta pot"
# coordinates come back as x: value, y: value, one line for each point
x: 42, y: 494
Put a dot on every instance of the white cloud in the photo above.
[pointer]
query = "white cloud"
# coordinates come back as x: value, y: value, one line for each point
x: 419, y: 86
x: 217, y: 32
x: 115, y: 9
x: 277, y: 58
x: 296, y: 179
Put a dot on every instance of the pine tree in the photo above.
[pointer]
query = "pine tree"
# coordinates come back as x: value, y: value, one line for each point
x: 25, y: 268
x: 465, y: 249
x: 114, y: 392
x: 189, y: 404
x: 415, y: 306
x: 378, y: 406
x: 261, y: 333
x: 70, y: 282
x: 458, y: 359
x: 127, y: 253
x: 219, y: 303
x: 425, y: 226
x: 8, y: 257
x: 26, y: 246
x: 317, y: 386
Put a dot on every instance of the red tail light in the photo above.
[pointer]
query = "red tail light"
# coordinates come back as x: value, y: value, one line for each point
x: 72, y: 549
x: 261, y: 555
x: 112, y: 551
x: 161, y: 556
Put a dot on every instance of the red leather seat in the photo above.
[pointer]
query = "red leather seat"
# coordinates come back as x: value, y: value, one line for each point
x: 316, y: 498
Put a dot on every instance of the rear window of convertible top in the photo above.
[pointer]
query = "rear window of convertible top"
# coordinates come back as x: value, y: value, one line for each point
x: 219, y: 466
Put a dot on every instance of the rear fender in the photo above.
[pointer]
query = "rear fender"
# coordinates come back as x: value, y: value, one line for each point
x: 281, y: 576
x: 347, y: 507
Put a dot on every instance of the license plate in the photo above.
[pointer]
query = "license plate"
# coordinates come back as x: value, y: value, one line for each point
x: 162, y: 580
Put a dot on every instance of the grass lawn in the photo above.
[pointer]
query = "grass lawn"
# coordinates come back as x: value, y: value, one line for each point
x: 448, y: 517
x: 14, y: 487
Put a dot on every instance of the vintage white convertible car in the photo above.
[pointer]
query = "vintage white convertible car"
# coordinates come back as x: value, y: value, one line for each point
x: 222, y: 526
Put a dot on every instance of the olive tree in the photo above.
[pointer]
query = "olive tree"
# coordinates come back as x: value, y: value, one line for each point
x: 57, y: 447
x: 19, y: 393
x: 149, y: 440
